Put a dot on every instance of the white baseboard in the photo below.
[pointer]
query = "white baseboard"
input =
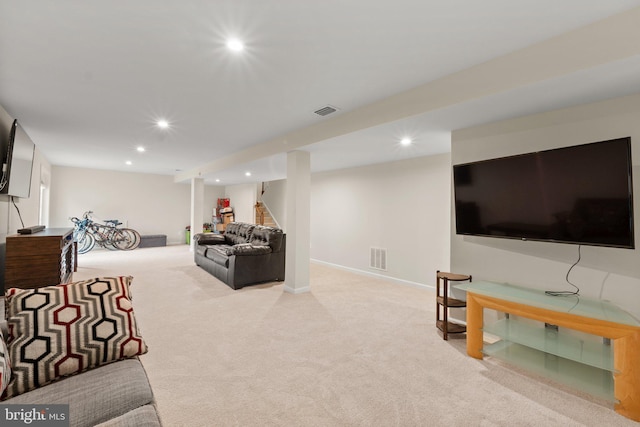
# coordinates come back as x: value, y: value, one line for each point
x: 376, y: 275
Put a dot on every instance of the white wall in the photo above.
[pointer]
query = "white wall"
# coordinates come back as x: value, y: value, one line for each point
x: 275, y: 199
x: 400, y: 206
x: 242, y: 198
x: 608, y: 273
x: 151, y: 204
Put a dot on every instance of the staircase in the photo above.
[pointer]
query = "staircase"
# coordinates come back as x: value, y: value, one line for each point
x: 263, y: 217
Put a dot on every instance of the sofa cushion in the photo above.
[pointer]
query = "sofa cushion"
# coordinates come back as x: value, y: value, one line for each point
x: 97, y: 395
x: 238, y: 232
x: 231, y: 230
x: 144, y: 416
x: 249, y: 249
x: 267, y: 236
x: 219, y: 254
x: 5, y: 366
x: 56, y: 331
x: 244, y: 232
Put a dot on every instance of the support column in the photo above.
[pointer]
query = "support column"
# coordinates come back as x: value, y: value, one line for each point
x: 298, y: 224
x: 197, y: 208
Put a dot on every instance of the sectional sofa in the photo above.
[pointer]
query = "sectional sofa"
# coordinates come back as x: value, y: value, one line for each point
x: 75, y: 344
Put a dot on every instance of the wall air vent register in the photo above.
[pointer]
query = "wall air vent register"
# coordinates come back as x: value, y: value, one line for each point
x: 378, y: 259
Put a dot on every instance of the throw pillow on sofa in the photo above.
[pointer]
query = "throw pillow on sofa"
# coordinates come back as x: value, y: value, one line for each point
x: 62, y: 330
x: 5, y: 366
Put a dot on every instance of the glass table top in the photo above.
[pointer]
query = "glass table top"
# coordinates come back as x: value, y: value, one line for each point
x: 574, y: 304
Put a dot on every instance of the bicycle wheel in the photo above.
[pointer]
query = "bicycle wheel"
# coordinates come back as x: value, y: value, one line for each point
x: 110, y: 244
x: 86, y: 242
x: 135, y: 236
x: 119, y: 240
x: 111, y: 241
x: 125, y: 239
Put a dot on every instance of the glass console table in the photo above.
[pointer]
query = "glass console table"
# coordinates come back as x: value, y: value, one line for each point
x: 588, y: 344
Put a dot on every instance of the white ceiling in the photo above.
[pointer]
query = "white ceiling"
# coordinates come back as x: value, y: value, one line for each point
x: 88, y: 80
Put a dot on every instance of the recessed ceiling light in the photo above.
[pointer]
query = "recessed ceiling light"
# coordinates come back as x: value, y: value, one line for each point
x: 128, y: 162
x: 406, y: 141
x: 163, y: 124
x: 217, y: 179
x: 235, y: 45
x: 140, y: 149
x: 247, y: 174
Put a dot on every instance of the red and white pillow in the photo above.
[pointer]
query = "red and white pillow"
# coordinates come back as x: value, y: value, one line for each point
x: 62, y: 330
x: 5, y: 366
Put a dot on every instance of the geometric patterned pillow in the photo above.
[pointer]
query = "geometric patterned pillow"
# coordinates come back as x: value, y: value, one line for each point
x: 5, y: 366
x: 62, y: 330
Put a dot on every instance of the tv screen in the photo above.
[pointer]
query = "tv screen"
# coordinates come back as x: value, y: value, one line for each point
x: 18, y: 163
x: 581, y: 194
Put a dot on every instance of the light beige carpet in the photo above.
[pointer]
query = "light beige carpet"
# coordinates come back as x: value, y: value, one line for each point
x: 355, y: 351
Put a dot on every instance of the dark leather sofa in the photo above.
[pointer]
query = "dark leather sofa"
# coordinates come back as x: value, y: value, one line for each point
x: 246, y: 254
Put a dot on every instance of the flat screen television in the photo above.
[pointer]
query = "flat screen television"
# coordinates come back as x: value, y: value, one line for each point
x: 581, y: 194
x: 17, y: 163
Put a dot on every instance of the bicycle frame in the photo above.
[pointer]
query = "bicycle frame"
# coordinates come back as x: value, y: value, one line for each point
x: 88, y: 232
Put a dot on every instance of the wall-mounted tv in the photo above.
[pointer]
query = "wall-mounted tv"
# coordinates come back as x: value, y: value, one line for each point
x: 581, y: 194
x: 17, y: 163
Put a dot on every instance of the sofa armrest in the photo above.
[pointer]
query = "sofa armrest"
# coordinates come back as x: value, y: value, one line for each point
x: 209, y: 239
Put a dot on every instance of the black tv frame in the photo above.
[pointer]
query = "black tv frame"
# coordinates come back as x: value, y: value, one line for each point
x: 17, y: 162
x: 542, y: 233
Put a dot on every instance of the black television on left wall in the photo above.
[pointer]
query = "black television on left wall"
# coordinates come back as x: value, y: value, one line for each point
x: 17, y: 163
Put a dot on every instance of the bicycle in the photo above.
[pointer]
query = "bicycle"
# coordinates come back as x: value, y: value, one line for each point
x: 88, y: 233
x: 112, y: 237
x: 81, y: 233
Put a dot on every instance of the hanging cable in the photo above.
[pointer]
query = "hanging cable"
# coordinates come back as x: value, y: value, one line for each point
x: 17, y: 210
x: 568, y: 293
x: 3, y: 177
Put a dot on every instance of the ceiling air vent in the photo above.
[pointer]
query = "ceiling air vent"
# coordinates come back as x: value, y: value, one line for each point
x: 326, y: 110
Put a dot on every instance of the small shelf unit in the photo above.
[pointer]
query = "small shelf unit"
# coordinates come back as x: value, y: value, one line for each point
x: 444, y: 302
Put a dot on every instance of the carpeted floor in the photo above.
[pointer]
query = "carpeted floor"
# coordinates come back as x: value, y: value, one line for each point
x: 355, y: 351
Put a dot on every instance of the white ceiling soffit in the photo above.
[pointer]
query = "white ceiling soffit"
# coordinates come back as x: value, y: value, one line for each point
x: 88, y: 80
x: 430, y: 132
x: 504, y: 87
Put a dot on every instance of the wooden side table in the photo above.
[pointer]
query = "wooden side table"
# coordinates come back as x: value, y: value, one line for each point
x: 444, y: 302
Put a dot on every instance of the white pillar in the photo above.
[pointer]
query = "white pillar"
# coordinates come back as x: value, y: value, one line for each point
x: 298, y: 223
x: 197, y: 208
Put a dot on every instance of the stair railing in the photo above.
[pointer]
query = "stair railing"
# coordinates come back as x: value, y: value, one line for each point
x: 259, y: 213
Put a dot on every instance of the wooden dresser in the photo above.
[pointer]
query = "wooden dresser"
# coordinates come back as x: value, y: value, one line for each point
x: 41, y: 259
